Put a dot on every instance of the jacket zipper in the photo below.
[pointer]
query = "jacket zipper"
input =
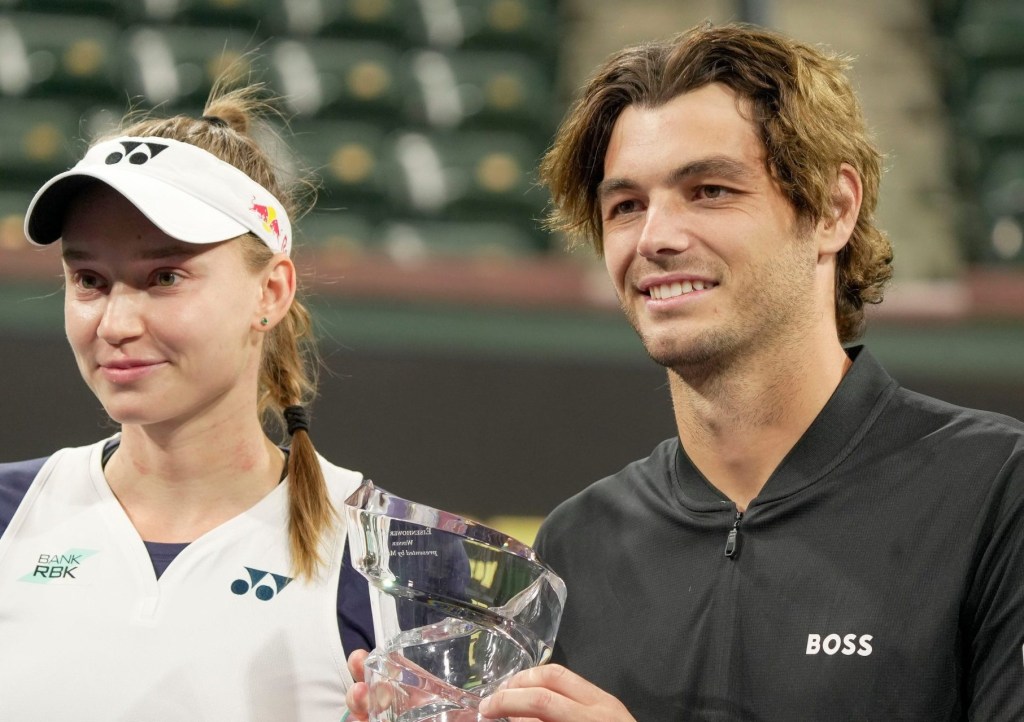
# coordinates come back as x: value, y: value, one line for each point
x: 732, y: 541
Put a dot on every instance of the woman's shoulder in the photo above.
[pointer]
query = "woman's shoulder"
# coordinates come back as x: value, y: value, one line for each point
x: 16, y: 472
x: 15, y: 479
x: 339, y: 479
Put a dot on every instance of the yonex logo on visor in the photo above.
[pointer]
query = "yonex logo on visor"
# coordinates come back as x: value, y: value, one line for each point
x: 185, y: 191
x: 149, y: 150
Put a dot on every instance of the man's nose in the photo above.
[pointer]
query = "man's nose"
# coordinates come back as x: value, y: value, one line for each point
x: 666, y: 229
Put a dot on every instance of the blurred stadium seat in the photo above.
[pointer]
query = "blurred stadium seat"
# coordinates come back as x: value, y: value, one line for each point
x: 366, y: 19
x: 176, y: 66
x: 13, y: 204
x: 468, y: 176
x: 983, y: 63
x: 349, y: 157
x: 39, y: 139
x: 527, y: 26
x: 429, y: 113
x: 1002, y: 204
x: 230, y: 13
x: 413, y: 240
x: 335, y: 229
x: 990, y: 31
x: 470, y: 89
x: 57, y: 55
x: 990, y: 123
x: 103, y: 8
x: 344, y: 78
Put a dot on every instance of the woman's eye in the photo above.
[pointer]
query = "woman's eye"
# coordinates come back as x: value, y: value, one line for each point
x: 166, y: 278
x: 87, y: 281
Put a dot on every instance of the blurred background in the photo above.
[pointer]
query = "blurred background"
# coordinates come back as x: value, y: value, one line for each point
x: 471, y: 361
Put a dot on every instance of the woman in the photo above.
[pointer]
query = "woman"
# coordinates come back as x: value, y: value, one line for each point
x: 188, y: 568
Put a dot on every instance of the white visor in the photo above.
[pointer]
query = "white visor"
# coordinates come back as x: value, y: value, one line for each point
x: 188, y: 193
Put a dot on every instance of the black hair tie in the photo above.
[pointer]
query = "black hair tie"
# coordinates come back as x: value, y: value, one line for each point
x: 296, y: 417
x: 214, y: 120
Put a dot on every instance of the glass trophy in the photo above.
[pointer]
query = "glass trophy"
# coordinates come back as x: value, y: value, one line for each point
x: 461, y: 607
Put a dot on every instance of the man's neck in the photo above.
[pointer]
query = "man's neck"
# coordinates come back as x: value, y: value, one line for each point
x: 738, y: 424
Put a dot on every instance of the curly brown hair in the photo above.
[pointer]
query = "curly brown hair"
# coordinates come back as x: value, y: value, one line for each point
x: 802, y: 105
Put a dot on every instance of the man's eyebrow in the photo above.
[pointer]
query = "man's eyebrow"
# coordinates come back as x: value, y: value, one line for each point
x: 613, y: 185
x: 716, y: 166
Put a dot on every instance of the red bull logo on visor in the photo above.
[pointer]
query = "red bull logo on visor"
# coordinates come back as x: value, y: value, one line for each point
x: 268, y: 215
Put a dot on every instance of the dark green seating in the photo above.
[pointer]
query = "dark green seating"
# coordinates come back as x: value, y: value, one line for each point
x: 468, y: 176
x: 523, y: 26
x: 482, y: 90
x: 98, y: 8
x: 176, y: 66
x: 1002, y: 204
x: 410, y: 241
x: 353, y: 80
x: 247, y: 15
x: 58, y: 55
x: 39, y: 139
x: 989, y: 124
x: 355, y: 19
x: 334, y: 230
x: 350, y: 159
x: 987, y: 35
x: 13, y: 204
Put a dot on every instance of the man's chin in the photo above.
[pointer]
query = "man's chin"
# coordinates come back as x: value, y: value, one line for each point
x: 696, y: 356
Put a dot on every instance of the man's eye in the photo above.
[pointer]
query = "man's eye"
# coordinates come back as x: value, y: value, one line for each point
x: 712, y: 192
x: 630, y: 206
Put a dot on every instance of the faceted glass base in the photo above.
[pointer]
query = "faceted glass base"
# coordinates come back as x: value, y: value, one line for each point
x: 439, y: 673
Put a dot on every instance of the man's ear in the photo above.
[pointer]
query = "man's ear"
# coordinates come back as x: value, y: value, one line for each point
x: 276, y: 292
x: 835, y: 229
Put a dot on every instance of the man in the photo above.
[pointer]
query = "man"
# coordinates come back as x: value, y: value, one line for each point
x: 817, y: 543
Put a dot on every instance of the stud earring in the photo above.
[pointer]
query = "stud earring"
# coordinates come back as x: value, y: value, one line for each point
x: 264, y: 321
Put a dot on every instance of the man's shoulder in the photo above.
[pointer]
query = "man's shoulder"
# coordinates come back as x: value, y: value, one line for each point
x: 922, y: 413
x: 618, y: 497
x: 949, y: 450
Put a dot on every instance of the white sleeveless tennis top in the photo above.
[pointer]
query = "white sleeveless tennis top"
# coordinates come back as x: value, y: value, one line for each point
x: 88, y: 633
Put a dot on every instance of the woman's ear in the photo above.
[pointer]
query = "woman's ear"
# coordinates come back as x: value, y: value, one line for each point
x: 834, y: 231
x: 276, y: 292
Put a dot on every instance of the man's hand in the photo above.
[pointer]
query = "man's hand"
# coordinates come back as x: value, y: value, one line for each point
x: 358, y: 696
x: 552, y: 693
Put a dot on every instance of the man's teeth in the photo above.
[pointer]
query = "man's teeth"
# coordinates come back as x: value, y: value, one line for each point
x: 671, y: 290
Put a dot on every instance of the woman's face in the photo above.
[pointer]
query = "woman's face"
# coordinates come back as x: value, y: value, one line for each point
x: 164, y: 332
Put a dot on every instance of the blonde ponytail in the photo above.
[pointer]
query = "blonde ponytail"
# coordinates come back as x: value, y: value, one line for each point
x: 231, y: 122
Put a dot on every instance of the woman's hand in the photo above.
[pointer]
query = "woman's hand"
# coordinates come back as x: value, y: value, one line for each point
x: 358, y: 696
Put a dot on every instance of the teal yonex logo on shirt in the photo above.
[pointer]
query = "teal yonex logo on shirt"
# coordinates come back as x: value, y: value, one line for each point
x: 260, y: 585
x: 54, y: 567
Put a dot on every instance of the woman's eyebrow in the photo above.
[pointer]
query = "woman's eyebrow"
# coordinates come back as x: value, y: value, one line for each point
x: 148, y: 254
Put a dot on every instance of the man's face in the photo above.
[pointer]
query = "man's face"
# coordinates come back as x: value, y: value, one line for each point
x: 705, y: 252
